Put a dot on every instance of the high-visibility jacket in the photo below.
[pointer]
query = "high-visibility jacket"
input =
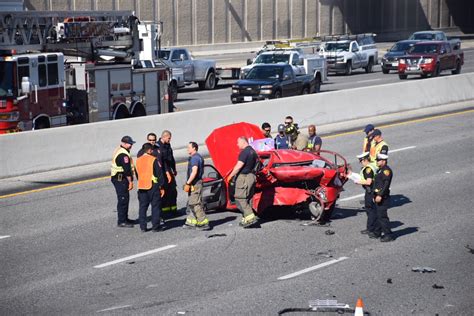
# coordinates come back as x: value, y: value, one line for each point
x: 114, y: 169
x: 375, y: 150
x: 371, y: 166
x: 146, y: 178
x: 366, y: 146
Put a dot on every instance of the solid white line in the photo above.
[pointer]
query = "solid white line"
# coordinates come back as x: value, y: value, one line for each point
x: 6, y: 236
x: 400, y: 149
x: 351, y: 197
x: 369, y: 80
x: 113, y: 308
x: 138, y: 255
x: 319, y: 266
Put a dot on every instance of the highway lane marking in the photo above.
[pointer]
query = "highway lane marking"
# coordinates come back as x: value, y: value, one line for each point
x: 400, y: 149
x: 368, y: 80
x: 316, y: 267
x: 351, y: 197
x: 431, y: 118
x: 6, y: 236
x: 138, y: 255
x: 113, y: 308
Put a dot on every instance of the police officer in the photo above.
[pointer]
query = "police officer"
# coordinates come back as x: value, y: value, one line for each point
x: 367, y: 175
x: 150, y: 182
x: 378, y: 146
x: 267, y: 130
x: 281, y: 140
x: 193, y: 187
x: 169, y: 170
x: 314, y: 141
x: 122, y: 170
x: 244, y: 169
x: 383, y: 179
x: 368, y: 139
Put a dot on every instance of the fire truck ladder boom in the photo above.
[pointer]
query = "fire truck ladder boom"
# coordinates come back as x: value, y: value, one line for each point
x: 85, y: 34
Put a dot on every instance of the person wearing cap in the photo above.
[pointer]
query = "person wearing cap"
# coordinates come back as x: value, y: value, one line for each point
x: 267, y: 130
x: 378, y: 146
x: 368, y: 139
x: 367, y: 175
x: 314, y: 141
x: 281, y: 140
x: 121, y: 175
x: 382, y: 181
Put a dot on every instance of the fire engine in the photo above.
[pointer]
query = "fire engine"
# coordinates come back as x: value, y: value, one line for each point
x: 60, y: 68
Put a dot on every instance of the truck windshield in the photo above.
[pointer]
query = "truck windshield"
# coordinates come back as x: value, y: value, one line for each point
x: 265, y: 73
x: 334, y: 47
x: 424, y: 49
x: 423, y: 36
x: 401, y: 47
x: 163, y: 54
x: 6, y: 79
x: 272, y: 59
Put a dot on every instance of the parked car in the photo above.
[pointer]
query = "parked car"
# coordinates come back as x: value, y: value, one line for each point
x: 430, y: 59
x: 390, y: 59
x: 271, y: 82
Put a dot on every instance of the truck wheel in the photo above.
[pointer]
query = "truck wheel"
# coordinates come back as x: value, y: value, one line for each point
x: 174, y: 91
x: 277, y: 94
x: 369, y: 67
x: 317, y: 85
x: 385, y: 71
x: 458, y: 68
x: 305, y: 90
x: 210, y: 83
x: 41, y: 123
x: 348, y: 71
x: 436, y: 71
x: 402, y: 77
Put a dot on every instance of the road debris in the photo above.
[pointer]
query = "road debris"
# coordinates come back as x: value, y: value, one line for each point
x: 471, y: 250
x: 328, y: 305
x: 329, y: 232
x: 216, y: 235
x: 316, y: 224
x: 438, y: 287
x: 325, y: 254
x: 389, y: 281
x: 131, y: 262
x: 423, y: 269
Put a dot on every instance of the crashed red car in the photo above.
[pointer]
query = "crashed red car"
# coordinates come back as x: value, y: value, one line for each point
x: 303, y: 180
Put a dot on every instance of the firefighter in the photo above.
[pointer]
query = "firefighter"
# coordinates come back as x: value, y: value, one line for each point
x: 314, y: 141
x: 368, y: 139
x: 367, y: 175
x: 152, y: 139
x: 150, y: 183
x: 122, y: 170
x: 298, y: 141
x: 193, y: 187
x: 383, y: 179
x: 169, y: 170
x: 281, y: 140
x: 378, y: 146
x: 245, y: 171
x: 267, y: 130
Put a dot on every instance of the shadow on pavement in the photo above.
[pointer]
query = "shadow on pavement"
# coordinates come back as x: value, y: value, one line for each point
x: 405, y: 231
x: 399, y: 200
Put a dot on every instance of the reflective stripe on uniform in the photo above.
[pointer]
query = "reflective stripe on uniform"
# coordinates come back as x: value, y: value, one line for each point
x: 114, y: 168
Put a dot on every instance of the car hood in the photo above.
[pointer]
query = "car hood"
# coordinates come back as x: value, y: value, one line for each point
x: 255, y: 82
x: 222, y: 144
x: 420, y: 55
x: 394, y: 54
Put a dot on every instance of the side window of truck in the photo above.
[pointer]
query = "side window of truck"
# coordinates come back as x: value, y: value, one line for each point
x: 175, y: 55
x: 287, y: 74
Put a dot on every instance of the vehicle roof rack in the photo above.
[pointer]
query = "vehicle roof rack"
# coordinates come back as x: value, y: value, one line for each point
x: 346, y: 37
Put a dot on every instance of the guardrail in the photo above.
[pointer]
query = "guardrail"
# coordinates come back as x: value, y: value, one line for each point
x: 57, y: 148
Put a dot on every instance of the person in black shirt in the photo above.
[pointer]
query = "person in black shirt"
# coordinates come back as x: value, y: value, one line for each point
x: 367, y: 175
x: 152, y: 139
x: 267, y: 130
x: 169, y: 203
x: 383, y: 179
x: 122, y: 178
x: 244, y: 169
x: 314, y: 141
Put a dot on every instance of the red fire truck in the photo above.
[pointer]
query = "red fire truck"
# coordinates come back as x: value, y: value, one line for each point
x: 60, y: 68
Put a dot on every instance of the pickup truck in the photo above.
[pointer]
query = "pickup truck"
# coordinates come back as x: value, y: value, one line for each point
x: 430, y: 59
x: 202, y: 72
x: 438, y: 36
x: 271, y: 82
x: 345, y: 53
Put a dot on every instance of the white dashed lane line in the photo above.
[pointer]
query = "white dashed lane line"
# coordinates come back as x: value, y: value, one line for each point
x: 138, y: 255
x: 313, y: 268
x: 6, y: 236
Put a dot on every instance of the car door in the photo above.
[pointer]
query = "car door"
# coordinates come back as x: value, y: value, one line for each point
x: 356, y: 55
x: 298, y: 67
x: 188, y: 66
x: 443, y: 57
x: 450, y: 57
x: 213, y: 189
x: 289, y: 84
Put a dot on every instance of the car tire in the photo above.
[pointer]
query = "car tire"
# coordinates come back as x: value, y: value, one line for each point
x: 402, y: 77
x: 369, y: 67
x: 211, y: 82
x: 457, y: 71
x: 277, y: 94
x: 348, y: 71
x: 317, y: 85
x: 305, y: 91
x: 385, y: 71
x: 436, y: 72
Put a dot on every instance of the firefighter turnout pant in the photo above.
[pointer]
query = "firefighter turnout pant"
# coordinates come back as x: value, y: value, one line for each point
x: 244, y: 191
x: 145, y: 198
x: 123, y: 198
x: 383, y: 222
x: 169, y: 200
x: 370, y: 210
x: 196, y: 215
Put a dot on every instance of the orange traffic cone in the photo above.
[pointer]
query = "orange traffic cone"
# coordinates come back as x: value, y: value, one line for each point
x: 359, y: 310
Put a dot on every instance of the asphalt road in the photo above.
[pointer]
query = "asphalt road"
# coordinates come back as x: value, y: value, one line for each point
x: 191, y: 97
x: 58, y: 246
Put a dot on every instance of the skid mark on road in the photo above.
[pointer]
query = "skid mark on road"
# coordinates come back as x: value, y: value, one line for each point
x: 313, y: 268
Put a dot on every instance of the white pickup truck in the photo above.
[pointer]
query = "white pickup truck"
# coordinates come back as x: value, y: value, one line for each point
x: 345, y: 53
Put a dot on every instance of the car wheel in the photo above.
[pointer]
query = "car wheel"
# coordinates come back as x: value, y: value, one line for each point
x: 402, y: 77
x: 436, y: 72
x: 210, y: 83
x: 458, y: 68
x: 277, y: 94
x: 305, y: 90
x: 424, y: 76
x: 385, y: 71
x: 317, y: 85
x: 369, y: 67
x: 348, y: 68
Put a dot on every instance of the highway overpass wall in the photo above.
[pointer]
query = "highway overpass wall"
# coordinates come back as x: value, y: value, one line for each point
x: 57, y: 148
x: 198, y: 22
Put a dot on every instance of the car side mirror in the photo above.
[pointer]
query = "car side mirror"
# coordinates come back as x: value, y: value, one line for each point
x: 249, y: 61
x: 181, y: 57
x: 286, y: 77
x: 212, y: 175
x: 442, y: 51
x: 25, y: 85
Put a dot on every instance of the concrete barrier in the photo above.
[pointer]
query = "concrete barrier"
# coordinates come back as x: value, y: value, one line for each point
x: 44, y: 150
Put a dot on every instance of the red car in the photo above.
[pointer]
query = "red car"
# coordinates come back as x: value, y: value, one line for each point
x: 285, y: 178
x: 430, y: 59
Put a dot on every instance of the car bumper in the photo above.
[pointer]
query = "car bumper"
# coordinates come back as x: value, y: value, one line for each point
x: 422, y: 69
x: 390, y: 65
x: 336, y: 67
x: 237, y: 98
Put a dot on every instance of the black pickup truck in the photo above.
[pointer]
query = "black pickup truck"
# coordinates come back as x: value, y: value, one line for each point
x: 265, y: 82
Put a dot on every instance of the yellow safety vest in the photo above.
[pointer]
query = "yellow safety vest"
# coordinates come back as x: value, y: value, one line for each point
x: 366, y: 143
x: 371, y: 166
x: 375, y: 150
x: 114, y: 169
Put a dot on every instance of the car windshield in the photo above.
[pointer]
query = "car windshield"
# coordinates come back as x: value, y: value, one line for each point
x: 401, y: 47
x: 272, y: 59
x: 334, y: 47
x: 6, y: 79
x: 265, y: 73
x: 163, y: 54
x: 424, y: 49
x: 423, y: 36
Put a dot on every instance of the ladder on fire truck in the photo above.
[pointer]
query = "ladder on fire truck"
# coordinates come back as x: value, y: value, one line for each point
x: 86, y: 34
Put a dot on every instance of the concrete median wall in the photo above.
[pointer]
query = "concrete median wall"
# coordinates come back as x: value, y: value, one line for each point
x: 44, y: 150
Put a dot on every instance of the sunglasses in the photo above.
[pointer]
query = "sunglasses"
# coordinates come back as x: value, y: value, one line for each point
x: 152, y: 140
x: 288, y: 123
x: 267, y: 130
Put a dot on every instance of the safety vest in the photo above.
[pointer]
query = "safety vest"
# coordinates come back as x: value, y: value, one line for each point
x: 311, y: 142
x: 114, y: 169
x: 375, y: 150
x: 367, y: 146
x: 371, y: 166
x: 146, y: 177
